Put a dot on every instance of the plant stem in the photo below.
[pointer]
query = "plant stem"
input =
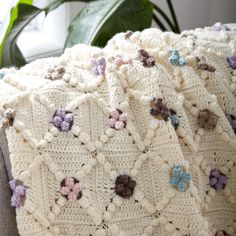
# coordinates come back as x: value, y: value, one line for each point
x: 166, y: 18
x: 172, y: 11
x: 159, y: 23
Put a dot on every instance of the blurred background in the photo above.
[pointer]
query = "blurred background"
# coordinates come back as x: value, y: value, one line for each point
x: 42, y: 37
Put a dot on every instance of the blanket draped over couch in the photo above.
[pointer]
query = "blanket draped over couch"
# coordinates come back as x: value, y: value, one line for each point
x: 137, y: 138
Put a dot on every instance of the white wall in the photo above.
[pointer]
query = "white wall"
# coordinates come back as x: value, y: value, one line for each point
x: 194, y: 13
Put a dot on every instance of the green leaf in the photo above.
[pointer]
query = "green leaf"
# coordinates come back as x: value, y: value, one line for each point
x: 102, y: 19
x: 13, y: 16
x: 11, y: 54
x: 56, y: 4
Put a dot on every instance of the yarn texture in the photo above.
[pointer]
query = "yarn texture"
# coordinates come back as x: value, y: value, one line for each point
x: 137, y: 138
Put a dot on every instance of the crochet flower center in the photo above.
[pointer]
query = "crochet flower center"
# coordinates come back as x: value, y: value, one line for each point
x: 124, y: 186
x: 71, y: 189
x: 159, y: 110
x: 176, y: 59
x: 231, y: 61
x: 207, y: 119
x: 217, y: 180
x: 180, y: 178
x: 55, y: 72
x: 99, y: 66
x: 232, y: 120
x: 19, y: 193
x: 6, y: 117
x: 63, y: 120
x: 117, y: 119
x: 221, y: 233
x: 146, y: 59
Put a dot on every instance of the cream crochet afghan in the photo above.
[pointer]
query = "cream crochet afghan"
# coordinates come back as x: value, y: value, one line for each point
x: 115, y: 168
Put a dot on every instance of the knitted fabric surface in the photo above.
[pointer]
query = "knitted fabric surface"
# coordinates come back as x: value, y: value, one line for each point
x: 137, y: 138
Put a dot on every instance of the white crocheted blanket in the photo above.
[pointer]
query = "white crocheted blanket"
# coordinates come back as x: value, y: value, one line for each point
x: 137, y: 138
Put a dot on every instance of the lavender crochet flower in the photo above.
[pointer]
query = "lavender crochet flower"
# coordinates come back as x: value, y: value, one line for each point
x: 117, y: 119
x: 217, y: 180
x: 99, y: 66
x: 19, y: 193
x: 219, y: 27
x: 71, y: 189
x: 232, y: 120
x: 63, y: 120
x: 232, y: 61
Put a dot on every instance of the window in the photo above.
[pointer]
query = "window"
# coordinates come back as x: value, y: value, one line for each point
x: 43, y: 36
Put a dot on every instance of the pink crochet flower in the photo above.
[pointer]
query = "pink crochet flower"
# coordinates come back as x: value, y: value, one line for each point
x: 111, y: 122
x: 71, y: 189
x: 121, y: 60
x: 119, y: 125
x: 117, y: 119
x: 115, y: 114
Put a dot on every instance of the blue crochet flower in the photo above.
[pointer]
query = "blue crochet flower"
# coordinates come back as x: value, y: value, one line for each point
x: 176, y: 59
x: 180, y: 178
x: 174, y: 120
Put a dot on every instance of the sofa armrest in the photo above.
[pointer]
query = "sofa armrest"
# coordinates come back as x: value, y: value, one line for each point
x: 7, y: 216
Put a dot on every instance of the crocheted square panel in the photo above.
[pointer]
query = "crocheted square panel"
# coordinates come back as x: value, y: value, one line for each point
x: 137, y: 138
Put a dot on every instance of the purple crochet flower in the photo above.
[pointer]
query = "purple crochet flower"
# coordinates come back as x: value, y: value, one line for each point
x: 19, y: 193
x: 71, y: 189
x: 219, y: 27
x: 232, y: 61
x: 221, y: 233
x: 63, y: 120
x: 217, y: 180
x: 117, y: 119
x: 99, y: 66
x: 232, y: 120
